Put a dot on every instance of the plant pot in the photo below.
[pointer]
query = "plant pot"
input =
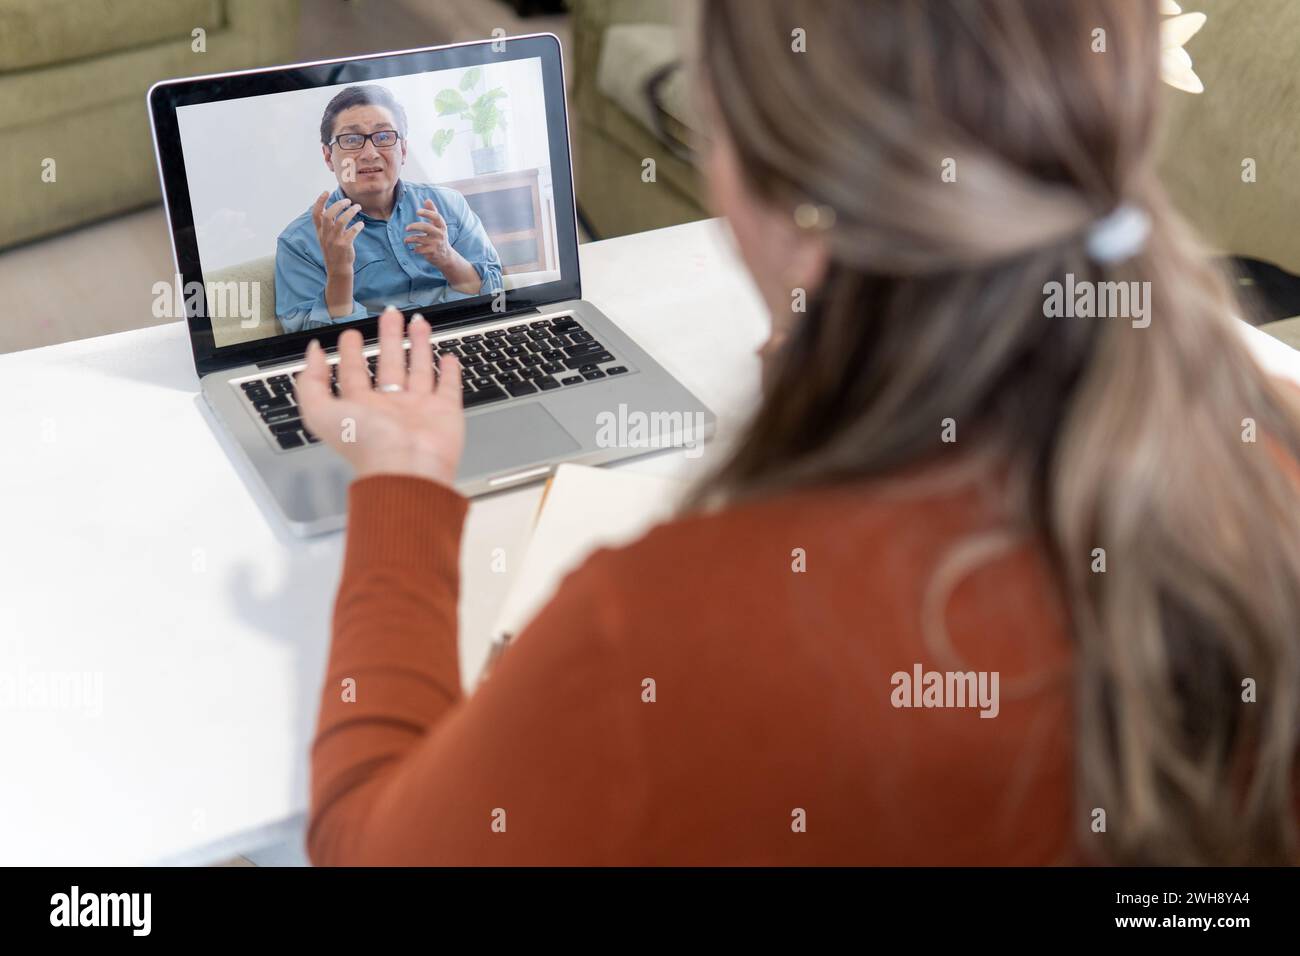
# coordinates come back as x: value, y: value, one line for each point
x: 489, y: 159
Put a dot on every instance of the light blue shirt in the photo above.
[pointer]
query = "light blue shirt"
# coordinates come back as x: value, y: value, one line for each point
x: 387, y: 271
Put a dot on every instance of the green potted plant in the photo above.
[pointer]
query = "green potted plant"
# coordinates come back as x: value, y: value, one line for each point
x: 482, y: 110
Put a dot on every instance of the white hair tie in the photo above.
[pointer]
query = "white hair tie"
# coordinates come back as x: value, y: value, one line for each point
x: 1120, y: 235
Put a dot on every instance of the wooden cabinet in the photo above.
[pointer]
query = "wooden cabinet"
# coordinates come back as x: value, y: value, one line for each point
x: 514, y: 216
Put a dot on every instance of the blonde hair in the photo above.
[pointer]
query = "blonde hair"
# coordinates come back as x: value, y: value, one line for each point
x: 1126, y: 439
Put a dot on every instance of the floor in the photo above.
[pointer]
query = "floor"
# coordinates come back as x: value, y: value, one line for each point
x: 100, y: 278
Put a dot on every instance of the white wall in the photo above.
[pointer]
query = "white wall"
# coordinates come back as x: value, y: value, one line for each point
x: 254, y: 164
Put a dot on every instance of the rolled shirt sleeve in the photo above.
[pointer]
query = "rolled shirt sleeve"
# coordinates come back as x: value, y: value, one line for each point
x: 300, y: 288
x: 472, y: 241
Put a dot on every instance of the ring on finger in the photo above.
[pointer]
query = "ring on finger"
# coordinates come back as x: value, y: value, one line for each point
x: 391, y: 388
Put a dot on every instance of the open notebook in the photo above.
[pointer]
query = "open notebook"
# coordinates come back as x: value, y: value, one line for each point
x: 582, y: 510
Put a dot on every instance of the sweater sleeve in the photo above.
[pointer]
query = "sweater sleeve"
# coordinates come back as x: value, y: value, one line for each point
x: 539, y: 766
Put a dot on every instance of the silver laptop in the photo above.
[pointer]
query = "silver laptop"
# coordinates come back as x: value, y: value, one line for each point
x: 304, y: 199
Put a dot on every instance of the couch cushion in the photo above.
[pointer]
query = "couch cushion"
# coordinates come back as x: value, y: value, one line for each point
x: 1246, y: 56
x: 253, y: 36
x: 229, y: 329
x: 45, y: 32
x: 633, y: 57
x: 90, y: 116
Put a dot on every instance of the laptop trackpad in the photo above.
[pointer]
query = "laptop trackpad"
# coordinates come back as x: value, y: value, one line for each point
x: 511, y: 438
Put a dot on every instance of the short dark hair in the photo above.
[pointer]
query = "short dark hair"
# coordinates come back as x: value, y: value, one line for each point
x: 360, y: 96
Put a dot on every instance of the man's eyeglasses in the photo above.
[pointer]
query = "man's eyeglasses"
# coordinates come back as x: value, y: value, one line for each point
x: 382, y: 139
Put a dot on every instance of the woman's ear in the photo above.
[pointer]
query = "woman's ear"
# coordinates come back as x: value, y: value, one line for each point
x: 785, y: 255
x: 809, y: 260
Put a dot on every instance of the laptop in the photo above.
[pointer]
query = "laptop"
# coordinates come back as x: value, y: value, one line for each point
x: 304, y: 199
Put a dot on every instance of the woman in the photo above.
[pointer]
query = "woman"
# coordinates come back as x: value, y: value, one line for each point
x: 1070, y: 508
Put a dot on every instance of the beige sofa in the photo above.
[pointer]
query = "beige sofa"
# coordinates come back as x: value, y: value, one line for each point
x: 631, y: 105
x: 230, y: 329
x: 1246, y: 54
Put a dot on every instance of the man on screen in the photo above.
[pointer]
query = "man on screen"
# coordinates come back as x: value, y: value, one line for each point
x: 377, y: 240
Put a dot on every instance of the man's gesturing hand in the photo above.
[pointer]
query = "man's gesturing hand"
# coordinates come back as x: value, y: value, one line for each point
x: 429, y: 237
x: 417, y: 431
x: 335, y: 234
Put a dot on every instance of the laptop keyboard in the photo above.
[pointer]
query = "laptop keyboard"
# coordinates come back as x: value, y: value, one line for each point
x: 496, y: 366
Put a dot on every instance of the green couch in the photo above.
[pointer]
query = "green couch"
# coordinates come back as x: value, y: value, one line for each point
x: 1246, y: 55
x: 1250, y: 110
x: 73, y: 77
x: 630, y: 105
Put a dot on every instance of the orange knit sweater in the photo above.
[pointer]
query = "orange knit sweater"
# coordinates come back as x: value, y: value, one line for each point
x: 728, y: 690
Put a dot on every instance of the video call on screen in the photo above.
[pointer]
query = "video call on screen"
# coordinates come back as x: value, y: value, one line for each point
x: 437, y: 188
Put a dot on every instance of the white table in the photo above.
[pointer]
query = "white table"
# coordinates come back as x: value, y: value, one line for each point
x: 180, y: 635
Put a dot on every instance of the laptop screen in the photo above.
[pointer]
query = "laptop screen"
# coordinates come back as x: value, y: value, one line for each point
x: 311, y: 209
